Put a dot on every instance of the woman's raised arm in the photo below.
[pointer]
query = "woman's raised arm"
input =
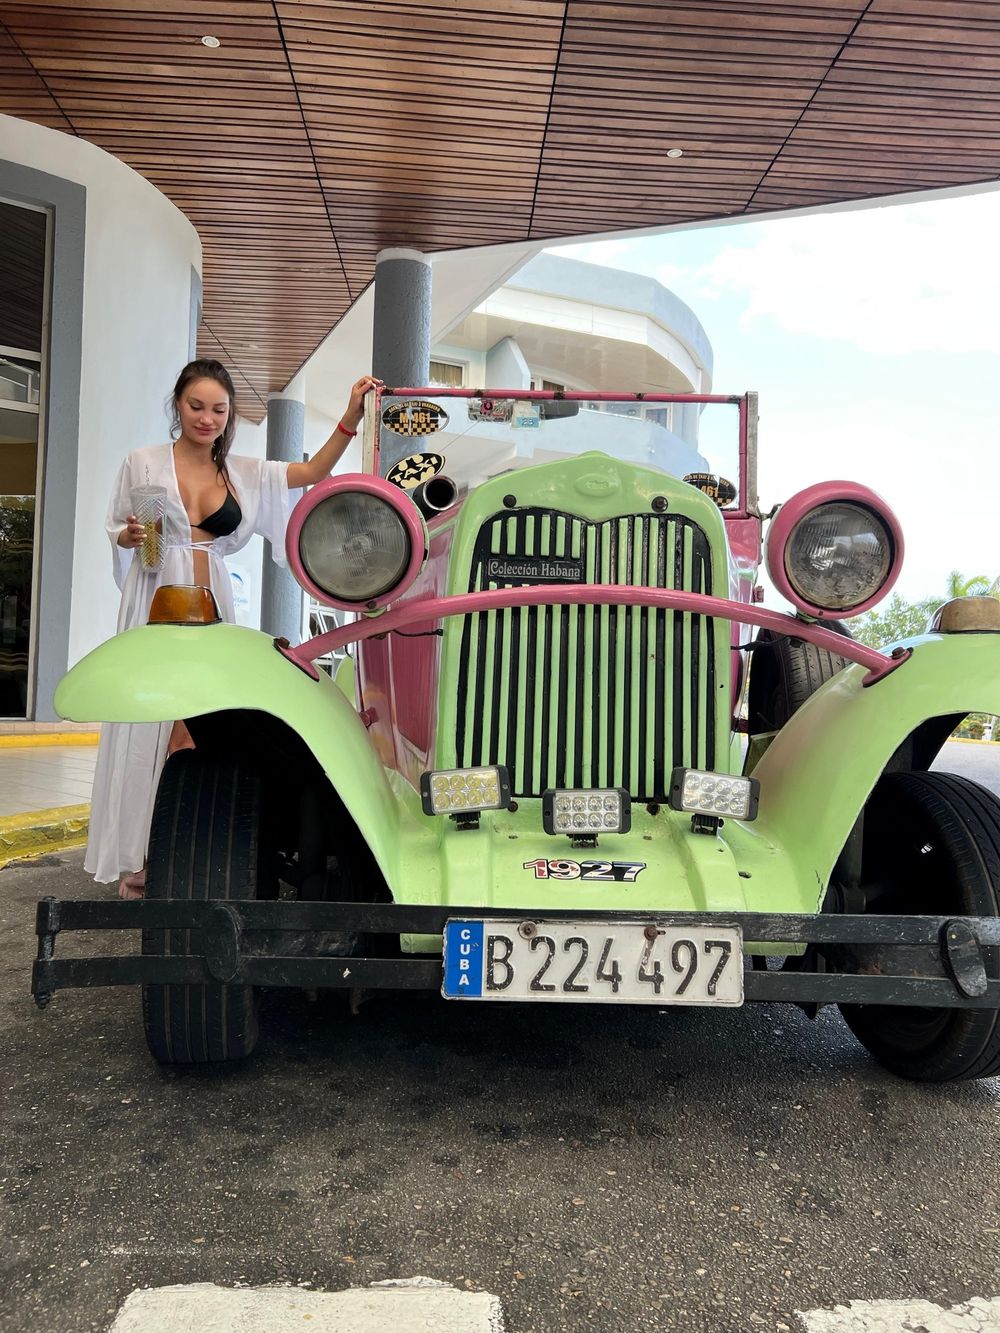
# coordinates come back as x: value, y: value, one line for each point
x: 324, y: 460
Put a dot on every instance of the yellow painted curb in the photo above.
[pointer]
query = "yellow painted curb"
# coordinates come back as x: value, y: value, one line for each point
x: 58, y: 829
x: 18, y: 739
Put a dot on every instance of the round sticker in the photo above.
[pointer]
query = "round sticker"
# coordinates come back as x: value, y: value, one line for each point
x: 414, y: 416
x: 411, y: 471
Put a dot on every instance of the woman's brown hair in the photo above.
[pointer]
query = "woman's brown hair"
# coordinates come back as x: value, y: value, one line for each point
x: 205, y: 369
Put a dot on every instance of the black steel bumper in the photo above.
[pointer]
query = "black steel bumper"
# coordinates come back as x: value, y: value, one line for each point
x: 901, y: 960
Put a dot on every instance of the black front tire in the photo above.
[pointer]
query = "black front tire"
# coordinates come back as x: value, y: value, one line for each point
x: 203, y: 846
x: 932, y: 845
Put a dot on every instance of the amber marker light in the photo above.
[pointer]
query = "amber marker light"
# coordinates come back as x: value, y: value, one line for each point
x: 184, y: 604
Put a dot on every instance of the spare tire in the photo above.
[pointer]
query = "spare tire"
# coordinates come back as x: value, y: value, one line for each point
x: 784, y: 673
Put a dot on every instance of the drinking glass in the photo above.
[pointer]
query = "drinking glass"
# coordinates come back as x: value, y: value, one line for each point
x: 149, y: 504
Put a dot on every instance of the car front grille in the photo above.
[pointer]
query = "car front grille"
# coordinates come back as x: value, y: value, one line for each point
x: 587, y: 696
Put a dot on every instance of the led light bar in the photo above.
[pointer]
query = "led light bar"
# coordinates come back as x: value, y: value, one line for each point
x: 457, y: 791
x: 577, y: 811
x: 721, y: 794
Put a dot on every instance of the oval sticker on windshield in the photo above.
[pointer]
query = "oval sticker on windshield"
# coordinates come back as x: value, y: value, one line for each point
x: 719, y: 489
x: 411, y: 471
x: 414, y: 416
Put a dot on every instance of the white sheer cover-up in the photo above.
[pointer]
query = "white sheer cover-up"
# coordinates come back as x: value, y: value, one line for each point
x: 131, y: 755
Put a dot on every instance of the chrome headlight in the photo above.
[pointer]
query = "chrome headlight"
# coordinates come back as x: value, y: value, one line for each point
x: 834, y: 549
x: 356, y: 541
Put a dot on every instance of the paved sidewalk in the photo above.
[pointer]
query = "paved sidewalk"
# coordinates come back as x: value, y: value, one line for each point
x: 45, y: 783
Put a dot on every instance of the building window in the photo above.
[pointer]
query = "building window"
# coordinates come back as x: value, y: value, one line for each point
x: 625, y: 409
x: 662, y: 414
x: 447, y: 374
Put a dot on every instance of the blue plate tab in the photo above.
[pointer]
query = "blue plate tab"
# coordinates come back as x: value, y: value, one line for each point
x: 463, y: 960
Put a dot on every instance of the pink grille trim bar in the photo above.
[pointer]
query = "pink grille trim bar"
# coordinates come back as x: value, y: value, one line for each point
x: 425, y: 612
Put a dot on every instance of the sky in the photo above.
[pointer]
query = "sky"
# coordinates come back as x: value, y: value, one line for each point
x: 873, y: 339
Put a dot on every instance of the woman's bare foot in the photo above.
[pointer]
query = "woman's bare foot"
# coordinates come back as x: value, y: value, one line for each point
x: 133, y: 886
x: 180, y: 738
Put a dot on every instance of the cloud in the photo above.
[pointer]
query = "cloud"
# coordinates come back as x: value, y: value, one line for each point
x: 888, y: 280
x: 891, y: 279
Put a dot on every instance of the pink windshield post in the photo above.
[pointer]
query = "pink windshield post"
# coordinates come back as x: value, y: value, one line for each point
x: 743, y: 469
x: 377, y: 443
x: 425, y: 612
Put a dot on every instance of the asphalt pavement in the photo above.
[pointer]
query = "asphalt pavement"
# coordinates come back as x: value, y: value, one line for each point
x: 593, y: 1168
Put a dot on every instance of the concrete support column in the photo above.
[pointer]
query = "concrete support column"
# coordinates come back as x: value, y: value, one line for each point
x: 401, y: 332
x: 280, y: 596
x: 401, y: 343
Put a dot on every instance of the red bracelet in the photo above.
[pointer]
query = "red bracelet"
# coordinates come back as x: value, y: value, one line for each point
x: 349, y: 433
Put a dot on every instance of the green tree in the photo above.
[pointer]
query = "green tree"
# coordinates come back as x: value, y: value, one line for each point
x: 894, y: 620
x: 960, y: 586
x: 898, y: 619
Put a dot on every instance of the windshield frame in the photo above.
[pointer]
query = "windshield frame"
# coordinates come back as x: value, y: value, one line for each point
x: 746, y: 404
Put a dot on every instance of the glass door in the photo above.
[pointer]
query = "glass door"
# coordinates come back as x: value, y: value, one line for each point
x: 23, y: 326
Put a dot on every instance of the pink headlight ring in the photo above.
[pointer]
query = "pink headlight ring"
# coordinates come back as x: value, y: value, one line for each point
x: 385, y: 490
x: 788, y: 516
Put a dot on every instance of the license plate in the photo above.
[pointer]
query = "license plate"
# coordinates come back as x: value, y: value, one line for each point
x: 593, y: 962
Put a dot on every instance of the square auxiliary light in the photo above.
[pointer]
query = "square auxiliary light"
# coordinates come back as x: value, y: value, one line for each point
x: 720, y: 794
x: 581, y: 812
x: 459, y: 791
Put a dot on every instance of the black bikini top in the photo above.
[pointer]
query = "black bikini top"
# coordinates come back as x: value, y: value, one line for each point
x: 226, y: 519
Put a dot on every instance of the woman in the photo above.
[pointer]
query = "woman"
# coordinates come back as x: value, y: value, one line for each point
x: 214, y: 505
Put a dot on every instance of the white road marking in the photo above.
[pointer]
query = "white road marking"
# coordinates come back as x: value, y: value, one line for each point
x: 976, y: 1316
x: 416, y: 1305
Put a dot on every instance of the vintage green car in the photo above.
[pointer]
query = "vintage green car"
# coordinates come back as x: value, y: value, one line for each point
x: 569, y: 757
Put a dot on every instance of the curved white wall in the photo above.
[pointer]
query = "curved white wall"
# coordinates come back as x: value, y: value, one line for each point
x: 139, y: 254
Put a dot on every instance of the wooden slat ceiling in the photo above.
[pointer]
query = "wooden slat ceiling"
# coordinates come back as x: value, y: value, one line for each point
x: 318, y: 133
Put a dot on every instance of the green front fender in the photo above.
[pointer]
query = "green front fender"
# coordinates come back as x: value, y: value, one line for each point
x: 820, y: 769
x: 157, y: 673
